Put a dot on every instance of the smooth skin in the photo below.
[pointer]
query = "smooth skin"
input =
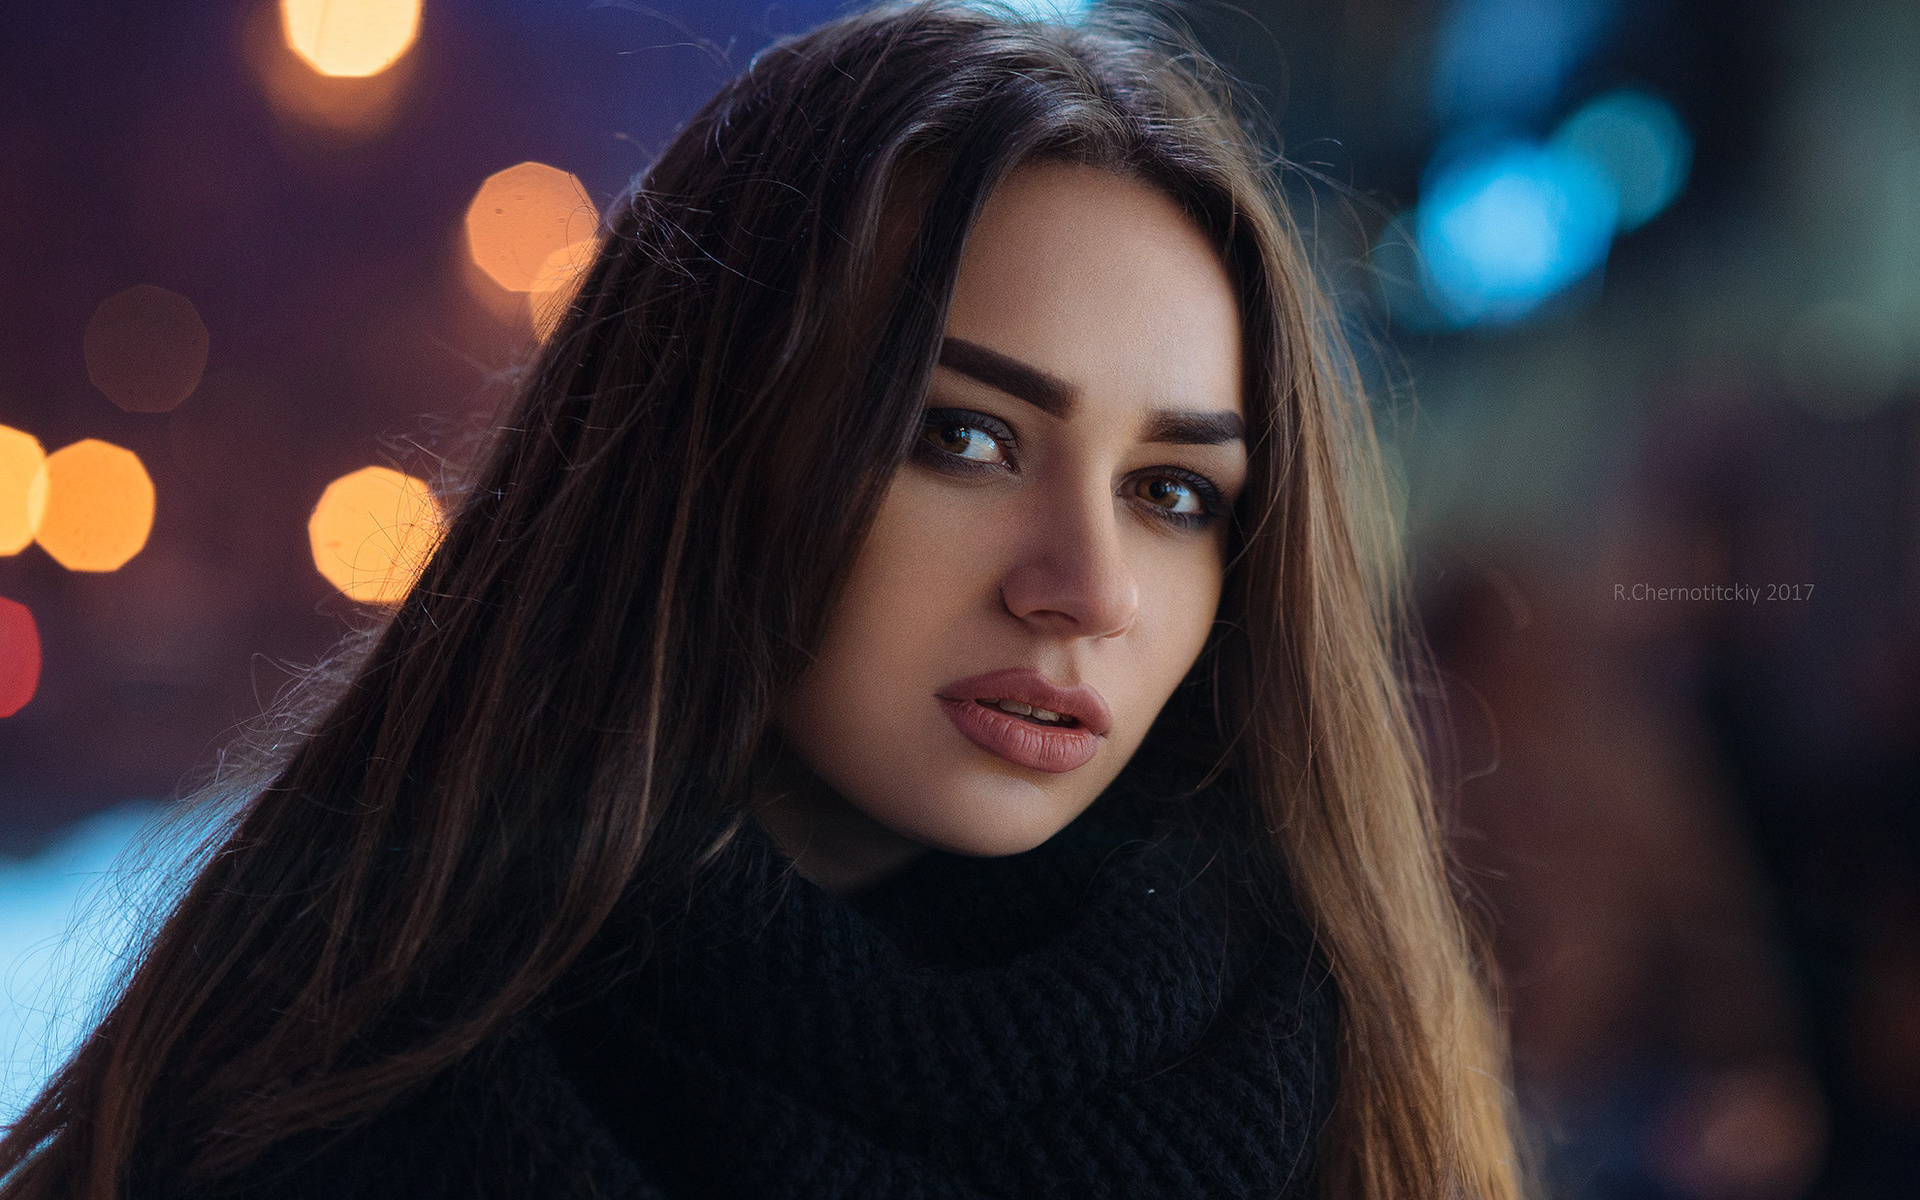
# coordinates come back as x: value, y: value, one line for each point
x: 1019, y: 537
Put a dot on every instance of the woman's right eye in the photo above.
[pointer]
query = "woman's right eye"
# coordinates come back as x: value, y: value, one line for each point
x: 963, y: 436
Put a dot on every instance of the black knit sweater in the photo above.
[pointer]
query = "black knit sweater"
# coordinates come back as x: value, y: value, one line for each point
x: 1097, y: 1017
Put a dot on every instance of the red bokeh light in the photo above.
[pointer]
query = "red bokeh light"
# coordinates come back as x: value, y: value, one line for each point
x: 19, y: 656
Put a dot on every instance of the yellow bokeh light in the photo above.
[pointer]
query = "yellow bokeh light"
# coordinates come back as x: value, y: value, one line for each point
x: 503, y: 306
x: 23, y: 489
x: 523, y: 216
x: 372, y: 532
x: 99, y: 506
x: 352, y: 38
x: 556, y: 282
x: 318, y: 109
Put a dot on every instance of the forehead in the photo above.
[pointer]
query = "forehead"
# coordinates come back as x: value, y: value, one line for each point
x: 1105, y: 283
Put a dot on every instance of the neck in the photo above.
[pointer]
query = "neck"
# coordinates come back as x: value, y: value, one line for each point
x: 833, y: 844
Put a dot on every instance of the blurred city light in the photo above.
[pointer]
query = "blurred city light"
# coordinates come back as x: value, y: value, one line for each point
x: 1044, y: 10
x: 99, y: 506
x: 1843, y: 359
x: 352, y: 38
x: 505, y: 308
x: 372, y: 532
x: 19, y: 656
x: 1639, y: 144
x: 146, y: 348
x: 1509, y: 58
x: 70, y: 915
x: 523, y: 216
x: 334, y: 107
x: 1505, y: 227
x: 23, y: 488
x: 556, y: 283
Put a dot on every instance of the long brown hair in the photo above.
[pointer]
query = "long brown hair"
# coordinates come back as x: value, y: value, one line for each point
x: 581, y: 680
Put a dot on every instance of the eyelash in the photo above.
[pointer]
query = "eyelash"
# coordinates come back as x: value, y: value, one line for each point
x: 1213, y: 503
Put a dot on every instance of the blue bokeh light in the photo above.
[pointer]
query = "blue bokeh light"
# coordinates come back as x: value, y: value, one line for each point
x: 1042, y: 10
x: 67, y: 921
x: 1510, y: 58
x: 1505, y: 227
x: 1638, y: 142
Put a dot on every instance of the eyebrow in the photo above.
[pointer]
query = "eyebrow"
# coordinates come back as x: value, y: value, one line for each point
x: 1055, y: 396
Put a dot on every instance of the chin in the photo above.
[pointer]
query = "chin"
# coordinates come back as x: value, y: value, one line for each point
x: 992, y: 818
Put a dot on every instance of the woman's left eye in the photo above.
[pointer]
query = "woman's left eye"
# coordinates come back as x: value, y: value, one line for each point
x: 1182, y: 498
x: 1174, y: 495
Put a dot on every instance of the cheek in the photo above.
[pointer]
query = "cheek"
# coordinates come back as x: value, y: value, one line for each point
x: 917, y: 573
x: 1179, y: 599
x: 898, y: 624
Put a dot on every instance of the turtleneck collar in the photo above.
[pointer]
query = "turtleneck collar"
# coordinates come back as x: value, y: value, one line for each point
x: 1101, y: 1015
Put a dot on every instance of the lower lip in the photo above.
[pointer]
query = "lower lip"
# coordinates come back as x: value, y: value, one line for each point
x: 1041, y: 747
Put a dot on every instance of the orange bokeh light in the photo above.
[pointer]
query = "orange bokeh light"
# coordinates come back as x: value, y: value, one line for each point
x: 19, y: 656
x: 372, y: 532
x: 146, y: 348
x: 329, y: 109
x: 99, y: 506
x: 521, y: 217
x: 351, y: 38
x: 23, y: 488
x: 556, y: 282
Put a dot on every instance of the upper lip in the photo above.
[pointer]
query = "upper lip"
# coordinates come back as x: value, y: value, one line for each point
x: 1030, y: 687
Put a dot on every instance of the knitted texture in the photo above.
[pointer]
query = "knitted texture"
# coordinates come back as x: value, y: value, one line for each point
x: 1098, y: 1017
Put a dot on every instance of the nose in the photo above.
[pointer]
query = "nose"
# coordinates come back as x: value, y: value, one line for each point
x: 1071, y: 576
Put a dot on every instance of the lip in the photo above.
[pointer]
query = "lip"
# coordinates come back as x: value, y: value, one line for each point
x: 1053, y: 749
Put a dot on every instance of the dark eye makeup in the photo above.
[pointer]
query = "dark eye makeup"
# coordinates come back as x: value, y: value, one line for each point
x: 961, y: 441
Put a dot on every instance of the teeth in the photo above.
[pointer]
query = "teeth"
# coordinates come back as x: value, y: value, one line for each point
x: 1019, y: 709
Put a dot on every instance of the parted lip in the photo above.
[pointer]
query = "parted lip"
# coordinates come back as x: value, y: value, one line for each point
x: 1027, y: 686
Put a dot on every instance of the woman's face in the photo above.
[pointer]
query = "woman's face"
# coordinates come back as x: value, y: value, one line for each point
x: 1057, y: 540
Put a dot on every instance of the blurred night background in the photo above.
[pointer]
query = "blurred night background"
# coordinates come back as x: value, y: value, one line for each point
x: 1637, y: 282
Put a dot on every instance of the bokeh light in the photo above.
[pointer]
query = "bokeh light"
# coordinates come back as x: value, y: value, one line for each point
x: 521, y: 217
x: 146, y: 348
x: 1045, y: 10
x: 1510, y: 58
x: 1842, y: 359
x: 99, y: 506
x: 351, y: 38
x: 504, y: 308
x: 23, y: 488
x: 372, y: 532
x: 1638, y: 142
x: 309, y: 105
x: 69, y: 922
x: 19, y: 656
x: 556, y: 283
x: 1505, y: 227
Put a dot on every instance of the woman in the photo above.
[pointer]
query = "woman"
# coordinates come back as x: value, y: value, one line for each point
x: 903, y: 709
